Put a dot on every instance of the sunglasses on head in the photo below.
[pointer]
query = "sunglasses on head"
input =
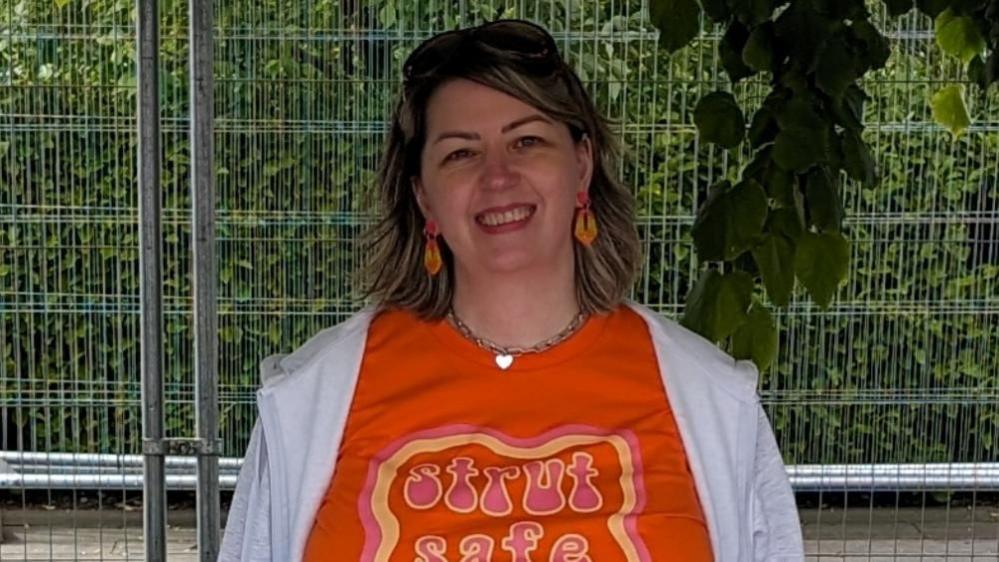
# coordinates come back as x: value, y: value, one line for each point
x: 517, y: 40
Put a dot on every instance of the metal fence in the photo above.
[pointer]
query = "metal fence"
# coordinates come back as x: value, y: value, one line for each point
x: 891, y: 395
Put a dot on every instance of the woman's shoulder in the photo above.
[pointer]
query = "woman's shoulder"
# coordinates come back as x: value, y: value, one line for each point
x: 688, y: 350
x: 319, y: 346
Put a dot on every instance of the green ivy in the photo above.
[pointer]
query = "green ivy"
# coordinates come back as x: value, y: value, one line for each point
x: 782, y: 222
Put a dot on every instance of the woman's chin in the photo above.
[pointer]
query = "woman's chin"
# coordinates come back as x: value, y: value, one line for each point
x: 510, y: 262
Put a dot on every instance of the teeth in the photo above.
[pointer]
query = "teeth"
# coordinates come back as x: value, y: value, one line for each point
x: 496, y: 219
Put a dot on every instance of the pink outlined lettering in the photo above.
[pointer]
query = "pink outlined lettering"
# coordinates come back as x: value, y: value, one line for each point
x: 476, y: 548
x: 496, y: 498
x: 523, y: 540
x: 584, y: 497
x: 461, y: 495
x: 430, y: 548
x: 544, y: 487
x: 571, y: 548
x: 423, y: 487
x: 382, y: 524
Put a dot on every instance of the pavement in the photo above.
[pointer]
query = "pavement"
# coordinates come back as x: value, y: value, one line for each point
x: 938, y: 534
x: 831, y: 535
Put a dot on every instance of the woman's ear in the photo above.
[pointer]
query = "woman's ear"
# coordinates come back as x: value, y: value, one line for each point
x: 421, y: 196
x: 584, y: 158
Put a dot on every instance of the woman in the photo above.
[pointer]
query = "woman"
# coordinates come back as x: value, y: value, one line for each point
x: 500, y: 400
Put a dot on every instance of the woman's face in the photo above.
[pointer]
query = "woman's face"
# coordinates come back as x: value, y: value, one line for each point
x: 500, y: 179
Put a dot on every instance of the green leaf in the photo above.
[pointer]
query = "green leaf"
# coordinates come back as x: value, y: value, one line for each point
x: 984, y: 73
x: 805, y: 29
x: 932, y: 8
x: 717, y: 10
x: 763, y: 127
x: 730, y: 221
x: 840, y: 9
x: 717, y: 305
x: 785, y: 222
x: 876, y: 46
x: 752, y: 12
x: 274, y: 333
x: 758, y: 166
x: 758, y: 52
x: 836, y: 68
x: 46, y: 71
x: 821, y: 263
x: 774, y: 256
x: 388, y: 15
x: 959, y: 36
x: 719, y: 119
x: 730, y: 52
x: 678, y: 21
x: 779, y: 184
x: 798, y: 148
x: 849, y: 110
x: 756, y: 338
x: 825, y: 209
x: 857, y: 159
x: 949, y: 109
x: 898, y: 7
x: 800, y: 113
x: 991, y: 73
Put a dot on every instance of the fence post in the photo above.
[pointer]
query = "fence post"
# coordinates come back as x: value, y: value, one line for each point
x: 150, y: 286
x: 202, y: 130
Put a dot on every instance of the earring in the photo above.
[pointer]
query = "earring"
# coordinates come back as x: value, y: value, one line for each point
x: 586, y: 222
x: 432, y: 261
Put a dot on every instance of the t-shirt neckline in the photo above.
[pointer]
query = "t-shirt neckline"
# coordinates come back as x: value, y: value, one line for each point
x: 584, y: 338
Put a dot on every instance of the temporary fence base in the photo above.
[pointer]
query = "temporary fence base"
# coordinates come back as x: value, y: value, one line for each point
x: 124, y: 472
x: 831, y: 535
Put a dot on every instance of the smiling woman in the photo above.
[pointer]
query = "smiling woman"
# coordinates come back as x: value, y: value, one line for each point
x: 501, y: 191
x: 500, y: 399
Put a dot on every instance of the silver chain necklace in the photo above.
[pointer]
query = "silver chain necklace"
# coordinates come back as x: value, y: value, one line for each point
x: 506, y: 355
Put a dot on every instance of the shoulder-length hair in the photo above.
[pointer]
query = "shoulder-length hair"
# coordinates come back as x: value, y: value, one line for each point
x: 393, y: 274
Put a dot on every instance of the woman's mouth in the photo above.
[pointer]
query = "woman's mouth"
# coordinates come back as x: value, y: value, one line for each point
x: 505, y: 219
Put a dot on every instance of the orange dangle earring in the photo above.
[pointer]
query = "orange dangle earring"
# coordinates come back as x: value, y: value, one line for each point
x: 586, y: 223
x: 432, y: 261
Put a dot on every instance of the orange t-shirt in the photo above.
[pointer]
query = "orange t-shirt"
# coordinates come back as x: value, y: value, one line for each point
x: 571, y: 454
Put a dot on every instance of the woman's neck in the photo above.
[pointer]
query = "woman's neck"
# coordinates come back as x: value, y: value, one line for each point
x: 516, y: 310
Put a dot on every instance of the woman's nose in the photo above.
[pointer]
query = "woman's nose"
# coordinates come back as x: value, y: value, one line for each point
x: 497, y: 173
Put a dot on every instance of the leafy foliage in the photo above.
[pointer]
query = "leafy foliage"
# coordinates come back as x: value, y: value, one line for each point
x: 805, y: 134
x: 300, y: 106
x: 949, y: 109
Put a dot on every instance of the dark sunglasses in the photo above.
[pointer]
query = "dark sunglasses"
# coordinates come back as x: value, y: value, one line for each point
x: 517, y: 40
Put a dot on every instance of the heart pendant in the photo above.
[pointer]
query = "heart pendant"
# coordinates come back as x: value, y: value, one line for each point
x: 504, y: 361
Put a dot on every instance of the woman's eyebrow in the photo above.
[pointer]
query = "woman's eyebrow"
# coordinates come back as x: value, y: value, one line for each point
x: 468, y: 135
x: 526, y: 120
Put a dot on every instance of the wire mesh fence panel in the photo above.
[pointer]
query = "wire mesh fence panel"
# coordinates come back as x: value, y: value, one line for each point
x: 68, y: 330
x: 69, y: 310
x: 886, y: 405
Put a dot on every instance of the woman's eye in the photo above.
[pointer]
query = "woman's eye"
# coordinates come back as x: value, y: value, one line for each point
x: 528, y: 141
x: 458, y: 154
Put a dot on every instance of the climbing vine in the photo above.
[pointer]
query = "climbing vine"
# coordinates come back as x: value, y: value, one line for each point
x: 780, y: 223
